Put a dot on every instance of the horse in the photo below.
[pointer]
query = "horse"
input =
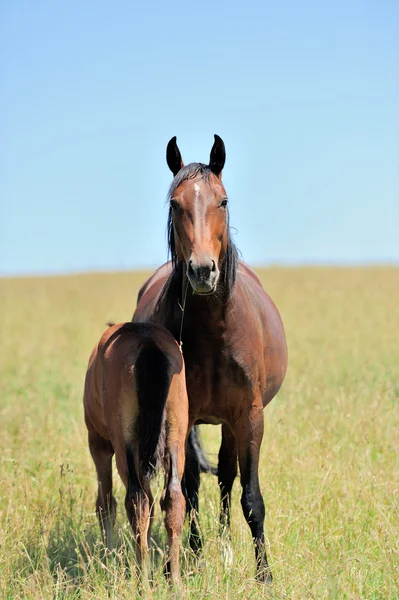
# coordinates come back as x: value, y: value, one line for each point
x: 231, y: 332
x: 136, y: 406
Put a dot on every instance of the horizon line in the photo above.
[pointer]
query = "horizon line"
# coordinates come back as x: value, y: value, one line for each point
x: 330, y: 264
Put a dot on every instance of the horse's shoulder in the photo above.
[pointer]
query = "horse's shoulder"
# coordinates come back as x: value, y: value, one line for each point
x: 250, y: 282
x: 246, y: 272
x: 162, y: 273
x: 253, y: 296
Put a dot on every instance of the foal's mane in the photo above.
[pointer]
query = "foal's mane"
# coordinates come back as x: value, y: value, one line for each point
x: 230, y: 260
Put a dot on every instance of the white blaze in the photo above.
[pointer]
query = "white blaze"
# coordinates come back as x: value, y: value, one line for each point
x: 197, y: 219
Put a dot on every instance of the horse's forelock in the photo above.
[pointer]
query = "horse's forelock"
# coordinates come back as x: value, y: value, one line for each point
x: 189, y: 172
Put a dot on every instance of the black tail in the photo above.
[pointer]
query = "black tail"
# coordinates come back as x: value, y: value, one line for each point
x: 152, y: 373
x: 195, y: 442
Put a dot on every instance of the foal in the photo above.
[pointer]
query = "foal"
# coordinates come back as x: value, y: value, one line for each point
x: 136, y: 406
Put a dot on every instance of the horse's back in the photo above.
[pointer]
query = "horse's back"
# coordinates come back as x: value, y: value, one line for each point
x: 121, y: 344
x: 120, y: 348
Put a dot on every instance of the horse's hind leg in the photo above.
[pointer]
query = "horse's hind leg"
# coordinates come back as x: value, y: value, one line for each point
x: 227, y: 472
x: 174, y: 506
x: 138, y: 508
x: 102, y: 452
x: 249, y: 433
x: 152, y: 513
x: 138, y: 512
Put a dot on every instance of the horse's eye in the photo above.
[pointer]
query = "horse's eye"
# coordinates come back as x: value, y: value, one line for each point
x: 174, y: 205
x: 223, y: 203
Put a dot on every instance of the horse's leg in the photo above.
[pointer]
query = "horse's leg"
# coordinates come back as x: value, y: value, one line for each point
x: 152, y: 514
x: 138, y: 510
x: 227, y: 472
x: 174, y: 506
x: 102, y: 452
x: 191, y: 483
x: 249, y: 433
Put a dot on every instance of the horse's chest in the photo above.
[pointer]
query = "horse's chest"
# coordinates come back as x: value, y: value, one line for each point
x: 215, y: 382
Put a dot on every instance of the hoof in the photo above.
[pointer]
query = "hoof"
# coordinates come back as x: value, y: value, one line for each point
x: 265, y: 576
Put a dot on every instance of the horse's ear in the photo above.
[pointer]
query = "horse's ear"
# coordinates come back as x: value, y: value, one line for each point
x: 218, y: 156
x: 173, y: 157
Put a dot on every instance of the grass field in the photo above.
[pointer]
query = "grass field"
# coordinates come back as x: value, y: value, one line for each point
x: 329, y: 469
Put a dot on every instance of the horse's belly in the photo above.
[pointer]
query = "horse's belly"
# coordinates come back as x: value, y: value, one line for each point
x: 210, y: 401
x: 207, y: 420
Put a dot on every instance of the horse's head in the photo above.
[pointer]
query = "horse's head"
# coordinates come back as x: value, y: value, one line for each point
x: 198, y: 220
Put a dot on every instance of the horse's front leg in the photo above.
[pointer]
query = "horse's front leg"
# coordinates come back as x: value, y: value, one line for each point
x: 227, y: 472
x: 249, y: 433
x: 190, y: 485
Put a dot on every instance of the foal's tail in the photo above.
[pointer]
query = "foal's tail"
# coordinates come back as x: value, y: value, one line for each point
x: 153, y: 377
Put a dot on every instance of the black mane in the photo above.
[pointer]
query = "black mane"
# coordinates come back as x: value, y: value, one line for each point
x: 230, y: 260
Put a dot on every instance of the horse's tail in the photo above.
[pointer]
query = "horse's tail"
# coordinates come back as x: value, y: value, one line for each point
x: 195, y: 442
x: 153, y: 377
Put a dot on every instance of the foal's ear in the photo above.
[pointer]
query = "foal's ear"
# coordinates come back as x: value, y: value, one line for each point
x: 218, y: 156
x: 173, y: 157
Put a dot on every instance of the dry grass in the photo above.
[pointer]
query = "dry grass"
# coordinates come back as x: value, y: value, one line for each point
x: 329, y: 469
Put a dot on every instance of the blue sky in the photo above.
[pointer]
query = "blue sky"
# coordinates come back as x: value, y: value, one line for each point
x: 304, y: 94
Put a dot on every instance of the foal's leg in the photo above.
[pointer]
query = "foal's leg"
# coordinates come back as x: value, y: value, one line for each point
x: 227, y: 472
x: 249, y: 434
x: 191, y: 483
x: 174, y: 506
x: 138, y: 512
x: 102, y: 453
x: 137, y: 506
x: 152, y: 513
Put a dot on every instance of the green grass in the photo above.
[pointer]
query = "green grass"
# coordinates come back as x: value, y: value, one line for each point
x: 329, y: 466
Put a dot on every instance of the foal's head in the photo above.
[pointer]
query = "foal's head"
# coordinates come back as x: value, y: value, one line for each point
x: 198, y: 217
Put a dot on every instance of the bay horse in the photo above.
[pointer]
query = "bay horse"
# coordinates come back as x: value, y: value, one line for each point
x: 136, y: 406
x: 233, y: 338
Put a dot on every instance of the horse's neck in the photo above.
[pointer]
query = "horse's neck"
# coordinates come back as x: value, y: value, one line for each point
x: 197, y: 312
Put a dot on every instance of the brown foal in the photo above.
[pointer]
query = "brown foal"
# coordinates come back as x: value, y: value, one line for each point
x: 136, y: 406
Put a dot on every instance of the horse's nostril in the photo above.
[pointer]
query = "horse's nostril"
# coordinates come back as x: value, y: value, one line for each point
x: 201, y: 271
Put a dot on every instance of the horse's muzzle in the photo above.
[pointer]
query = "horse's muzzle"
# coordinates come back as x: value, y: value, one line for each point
x: 203, y: 276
